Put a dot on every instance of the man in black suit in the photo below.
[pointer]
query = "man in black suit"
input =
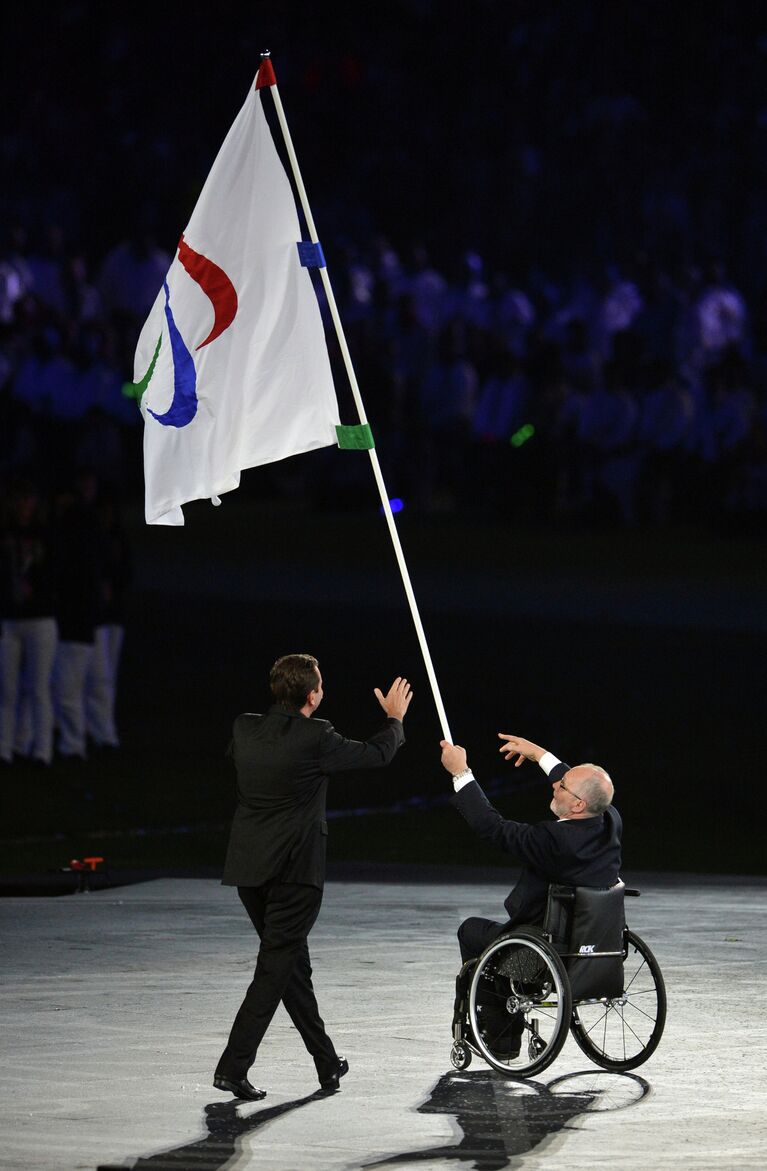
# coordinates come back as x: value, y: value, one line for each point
x: 276, y: 854
x: 581, y: 848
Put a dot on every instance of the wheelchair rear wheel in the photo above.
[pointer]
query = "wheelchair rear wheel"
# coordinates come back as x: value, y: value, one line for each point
x: 519, y: 1005
x: 623, y: 1032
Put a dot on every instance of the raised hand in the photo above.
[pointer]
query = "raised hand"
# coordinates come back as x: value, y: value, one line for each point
x: 397, y: 699
x: 521, y: 748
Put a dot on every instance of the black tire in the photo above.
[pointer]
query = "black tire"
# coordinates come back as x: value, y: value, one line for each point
x: 623, y: 1032
x: 519, y: 995
x: 460, y: 1055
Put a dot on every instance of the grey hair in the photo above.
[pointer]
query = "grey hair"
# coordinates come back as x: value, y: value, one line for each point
x: 597, y: 789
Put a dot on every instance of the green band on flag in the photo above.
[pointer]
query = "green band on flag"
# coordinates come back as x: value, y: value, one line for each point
x: 357, y: 437
x: 136, y: 389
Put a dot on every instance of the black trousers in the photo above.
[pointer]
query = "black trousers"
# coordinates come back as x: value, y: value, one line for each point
x: 475, y: 934
x: 498, y: 1028
x: 283, y: 914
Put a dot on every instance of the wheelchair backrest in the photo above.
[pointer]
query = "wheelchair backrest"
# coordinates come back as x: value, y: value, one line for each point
x: 586, y: 926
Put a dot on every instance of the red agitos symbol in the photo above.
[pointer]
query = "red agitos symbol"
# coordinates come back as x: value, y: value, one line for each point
x: 215, y: 284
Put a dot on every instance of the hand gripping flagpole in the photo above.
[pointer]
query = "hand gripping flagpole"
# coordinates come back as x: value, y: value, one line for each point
x: 266, y: 78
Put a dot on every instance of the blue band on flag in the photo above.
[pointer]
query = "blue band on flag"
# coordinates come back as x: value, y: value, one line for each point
x: 310, y: 254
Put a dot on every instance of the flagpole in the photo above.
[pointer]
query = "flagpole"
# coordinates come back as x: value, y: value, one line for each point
x: 270, y: 81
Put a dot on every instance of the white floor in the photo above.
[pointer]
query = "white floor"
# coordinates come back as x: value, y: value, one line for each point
x: 115, y: 1005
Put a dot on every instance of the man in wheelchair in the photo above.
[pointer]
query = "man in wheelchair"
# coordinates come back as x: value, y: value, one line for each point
x: 582, y: 847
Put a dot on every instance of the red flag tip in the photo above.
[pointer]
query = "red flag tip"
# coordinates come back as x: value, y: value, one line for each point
x: 265, y: 75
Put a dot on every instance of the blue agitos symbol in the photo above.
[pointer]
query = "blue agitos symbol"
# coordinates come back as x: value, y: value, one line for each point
x: 223, y: 297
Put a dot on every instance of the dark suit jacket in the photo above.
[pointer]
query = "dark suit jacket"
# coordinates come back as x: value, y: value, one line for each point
x: 584, y: 852
x: 283, y: 762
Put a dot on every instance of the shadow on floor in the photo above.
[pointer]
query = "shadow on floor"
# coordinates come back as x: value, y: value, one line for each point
x: 225, y: 1128
x: 502, y: 1118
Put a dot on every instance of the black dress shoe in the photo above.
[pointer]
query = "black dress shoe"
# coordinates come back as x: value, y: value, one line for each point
x: 240, y: 1087
x: 331, y: 1083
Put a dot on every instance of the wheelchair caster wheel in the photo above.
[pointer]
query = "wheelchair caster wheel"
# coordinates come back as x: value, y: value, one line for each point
x: 535, y: 1046
x: 460, y: 1055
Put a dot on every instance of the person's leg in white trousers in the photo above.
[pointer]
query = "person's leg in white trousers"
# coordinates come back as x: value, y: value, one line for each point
x: 101, y: 686
x: 26, y: 709
x: 72, y: 664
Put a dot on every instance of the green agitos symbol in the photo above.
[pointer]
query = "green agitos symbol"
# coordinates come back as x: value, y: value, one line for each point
x: 136, y: 389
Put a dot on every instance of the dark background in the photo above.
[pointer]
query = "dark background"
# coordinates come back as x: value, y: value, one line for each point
x: 419, y: 119
x: 544, y: 137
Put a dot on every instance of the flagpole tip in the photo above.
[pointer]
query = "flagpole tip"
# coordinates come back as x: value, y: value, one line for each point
x: 265, y: 76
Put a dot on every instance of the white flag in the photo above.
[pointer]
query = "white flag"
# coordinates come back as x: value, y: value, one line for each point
x: 231, y: 367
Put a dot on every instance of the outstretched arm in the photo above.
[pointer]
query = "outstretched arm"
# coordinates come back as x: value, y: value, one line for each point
x: 339, y: 754
x: 530, y: 843
x: 526, y: 750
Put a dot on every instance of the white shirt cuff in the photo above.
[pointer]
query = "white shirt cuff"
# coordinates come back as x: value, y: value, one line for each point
x: 466, y: 779
x: 547, y: 762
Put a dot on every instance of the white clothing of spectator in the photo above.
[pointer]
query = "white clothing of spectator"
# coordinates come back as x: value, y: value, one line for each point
x: 12, y: 289
x: 27, y: 654
x: 78, y: 558
x: 17, y: 259
x: 101, y: 685
x: 514, y: 315
x: 620, y: 306
x: 361, y: 288
x: 721, y: 316
x: 71, y: 669
x: 29, y: 630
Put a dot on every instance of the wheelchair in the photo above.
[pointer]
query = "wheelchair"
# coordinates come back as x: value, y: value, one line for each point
x: 583, y: 970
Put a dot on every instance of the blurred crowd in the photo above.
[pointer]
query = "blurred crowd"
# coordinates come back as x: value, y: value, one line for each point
x: 627, y: 395
x: 632, y: 396
x: 67, y: 337
x: 547, y: 235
